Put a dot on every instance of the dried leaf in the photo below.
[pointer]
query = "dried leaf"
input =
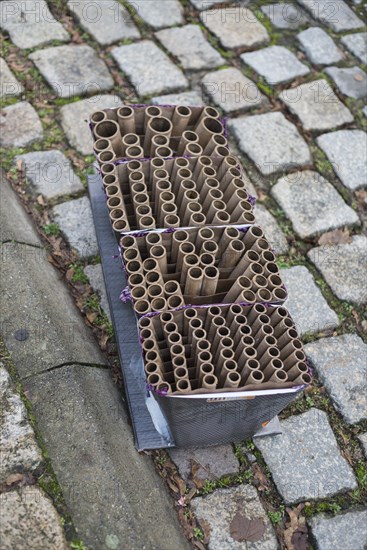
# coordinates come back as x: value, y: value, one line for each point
x: 41, y: 200
x: 172, y: 486
x: 190, y: 495
x: 358, y: 77
x: 180, y: 484
x: 19, y: 165
x: 70, y: 274
x: 91, y: 316
x: 14, y: 478
x: 195, y: 467
x: 244, y: 529
x: 103, y: 341
x: 296, y: 535
x: 260, y: 478
x: 339, y: 236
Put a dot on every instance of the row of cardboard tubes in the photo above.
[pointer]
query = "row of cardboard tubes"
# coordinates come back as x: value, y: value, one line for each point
x: 179, y: 197
x: 232, y: 349
x: 200, y: 256
x: 128, y: 133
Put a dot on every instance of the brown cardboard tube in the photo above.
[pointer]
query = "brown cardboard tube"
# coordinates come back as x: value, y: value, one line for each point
x: 179, y: 162
x: 177, y: 350
x: 180, y: 119
x: 288, y: 336
x: 200, y: 358
x: 248, y: 265
x: 229, y: 175
x: 263, y: 295
x: 152, y: 368
x: 259, y: 323
x: 120, y: 225
x: 158, y: 304
x: 250, y: 366
x: 241, y: 207
x: 110, y: 179
x: 206, y: 172
x: 208, y: 112
x: 126, y: 120
x: 270, y: 268
x: 253, y: 313
x: 209, y: 247
x: 164, y: 387
x: 209, y: 382
x: 282, y: 326
x: 158, y: 141
x: 260, y: 245
x: 261, y: 333
x: 216, y: 322
x: 270, y: 353
x: 233, y: 310
x: 131, y: 254
x: 277, y: 314
x: 134, y: 267
x: 197, y: 219
x: 107, y: 129
x: 206, y: 260
x: 247, y: 296
x: 252, y: 235
x: 134, y: 152
x: 178, y: 237
x: 258, y: 282
x: 166, y: 317
x: 213, y: 195
x: 149, y: 264
x: 134, y: 165
x: 106, y: 157
x: 185, y: 185
x: 129, y: 241
x: 150, y: 344
x: 98, y: 116
x: 142, y: 307
x: 171, y: 220
x: 215, y: 208
x: 238, y: 320
x: 172, y: 288
x: 233, y: 380
x: 169, y: 328
x: 154, y: 380
x: 181, y: 372
x: 197, y: 335
x: 168, y: 209
x: 155, y: 291
x: 194, y: 324
x: 207, y: 185
x: 252, y: 270
x: 221, y: 151
x: 159, y: 253
x: 279, y: 377
x: 215, y: 141
x: 165, y: 197
x: 191, y: 209
x: 108, y: 168
x: 303, y: 379
x: 235, y: 198
x: 201, y: 162
x: 207, y: 128
x: 246, y: 218
x: 232, y: 254
x: 153, y: 239
x: 156, y: 163
x: 150, y: 112
x: 255, y: 377
x: 296, y: 370
x: 228, y: 366
x: 193, y: 150
x: 243, y: 339
x: 188, y: 314
x: 174, y: 302
x: 184, y: 249
x: 102, y: 144
x: 223, y: 343
x: 204, y: 234
x: 187, y: 138
x: 274, y: 281
x: 183, y: 386
x: 137, y: 177
x: 157, y: 125
x: 279, y: 294
x: 211, y: 313
x: 189, y: 195
x: 164, y: 152
x: 194, y: 281
x: 130, y: 140
x: 273, y: 366
x: 116, y: 203
x: 205, y: 368
x: 147, y: 222
x: 294, y: 358
x: 210, y: 280
x: 136, y: 279
x: 239, y: 285
x: 139, y: 293
x: 243, y: 354
x: 225, y: 354
x: 291, y: 347
x: 189, y: 261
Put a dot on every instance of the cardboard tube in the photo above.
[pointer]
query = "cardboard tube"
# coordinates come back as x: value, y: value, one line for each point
x: 188, y: 314
x: 194, y: 281
x: 178, y: 237
x: 131, y: 254
x: 185, y: 185
x: 206, y: 260
x: 303, y: 379
x: 214, y: 208
x: 217, y: 321
x: 209, y: 382
x: 259, y: 322
x: 250, y: 366
x: 258, y: 282
x: 255, y: 377
x: 177, y: 350
x: 249, y: 258
x: 296, y: 370
x: 239, y: 285
x: 270, y: 354
x: 184, y: 249
x: 129, y: 140
x: 152, y: 368
x: 106, y: 157
x: 238, y: 320
x: 168, y: 209
x: 134, y: 152
x: 204, y: 369
x: 164, y: 152
x: 187, y: 138
x: 189, y: 196
x: 159, y: 253
x: 221, y: 218
x: 114, y: 203
x: 286, y: 337
x: 175, y: 301
x: 279, y: 377
x: 133, y: 166
x: 241, y: 207
x: 247, y: 296
x: 273, y: 366
x: 109, y: 129
x: 294, y: 358
x: 233, y: 380
x: 98, y: 116
x: 277, y: 315
x: 120, y: 225
x: 243, y: 338
x: 165, y: 197
x: 150, y: 112
x: 155, y: 291
x: 282, y: 326
x: 233, y: 310
x: 154, y: 380
x: 171, y: 220
x: 183, y: 386
x: 126, y: 120
x: 232, y: 254
x: 210, y: 280
x: 164, y: 387
x: 192, y: 208
x: 150, y: 344
x: 194, y: 324
x: 224, y: 355
x: 172, y: 288
x: 142, y: 307
x: 180, y: 119
x: 102, y: 144
x: 212, y: 195
x: 223, y: 343
x: 169, y: 328
x: 157, y: 125
x: 291, y: 347
x: 179, y: 162
x: 228, y: 366
x: 200, y: 358
x: 252, y: 235
x: 206, y: 172
x: 158, y: 304
x: 180, y: 372
x: 207, y: 128
x: 193, y: 150
x: 136, y: 279
x: 209, y: 247
x: 200, y: 163
x: 147, y: 222
x: 208, y: 112
x: 215, y: 141
x: 207, y: 185
x: 263, y: 332
x: 279, y: 295
x: 263, y: 295
x: 243, y: 354
x: 189, y: 261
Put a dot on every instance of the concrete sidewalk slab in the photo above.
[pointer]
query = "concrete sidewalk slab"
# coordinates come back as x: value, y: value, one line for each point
x: 113, y: 492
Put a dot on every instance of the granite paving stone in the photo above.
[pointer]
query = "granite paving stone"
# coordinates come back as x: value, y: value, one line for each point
x: 309, y: 309
x: 149, y: 68
x: 18, y: 448
x: 357, y: 44
x: 20, y: 125
x: 106, y: 20
x: 275, y: 143
x: 305, y: 460
x: 316, y: 105
x: 336, y: 15
x: 183, y: 98
x: 30, y: 23
x: 29, y: 520
x: 363, y: 441
x: 75, y: 117
x: 76, y: 222
x: 276, y: 64
x: 232, y: 91
x: 95, y: 276
x: 347, y: 152
x: 213, y: 462
x: 160, y: 13
x: 73, y: 70
x: 351, y: 82
x: 349, y: 527
x: 217, y: 511
x: 319, y: 47
x: 235, y: 27
x: 285, y: 16
x: 9, y: 85
x: 341, y: 363
x: 50, y: 173
x: 191, y: 48
x: 312, y: 204
x: 272, y: 231
x: 343, y: 266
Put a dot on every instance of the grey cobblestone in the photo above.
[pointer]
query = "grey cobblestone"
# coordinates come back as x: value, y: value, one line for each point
x: 351, y: 82
x: 212, y: 462
x: 232, y: 91
x: 341, y: 363
x: 285, y: 16
x: 271, y: 229
x: 95, y: 276
x: 9, y: 85
x: 363, y: 441
x: 235, y: 27
x: 346, y: 150
x: 191, y: 48
x: 50, y: 173
x: 276, y: 64
x: 20, y: 125
x: 106, y: 20
x: 30, y: 23
x: 312, y: 203
x: 338, y: 15
x: 18, y: 448
x: 159, y: 13
x: 275, y: 143
x: 350, y: 527
x: 357, y: 44
x: 73, y: 70
x: 217, y: 511
x: 343, y: 266
x: 76, y: 222
x: 75, y: 116
x: 319, y: 46
x: 183, y: 98
x: 305, y: 461
x: 316, y: 105
x: 29, y: 520
x: 149, y: 68
x: 309, y: 309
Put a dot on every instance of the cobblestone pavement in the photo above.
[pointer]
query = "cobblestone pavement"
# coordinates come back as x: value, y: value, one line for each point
x: 291, y: 78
